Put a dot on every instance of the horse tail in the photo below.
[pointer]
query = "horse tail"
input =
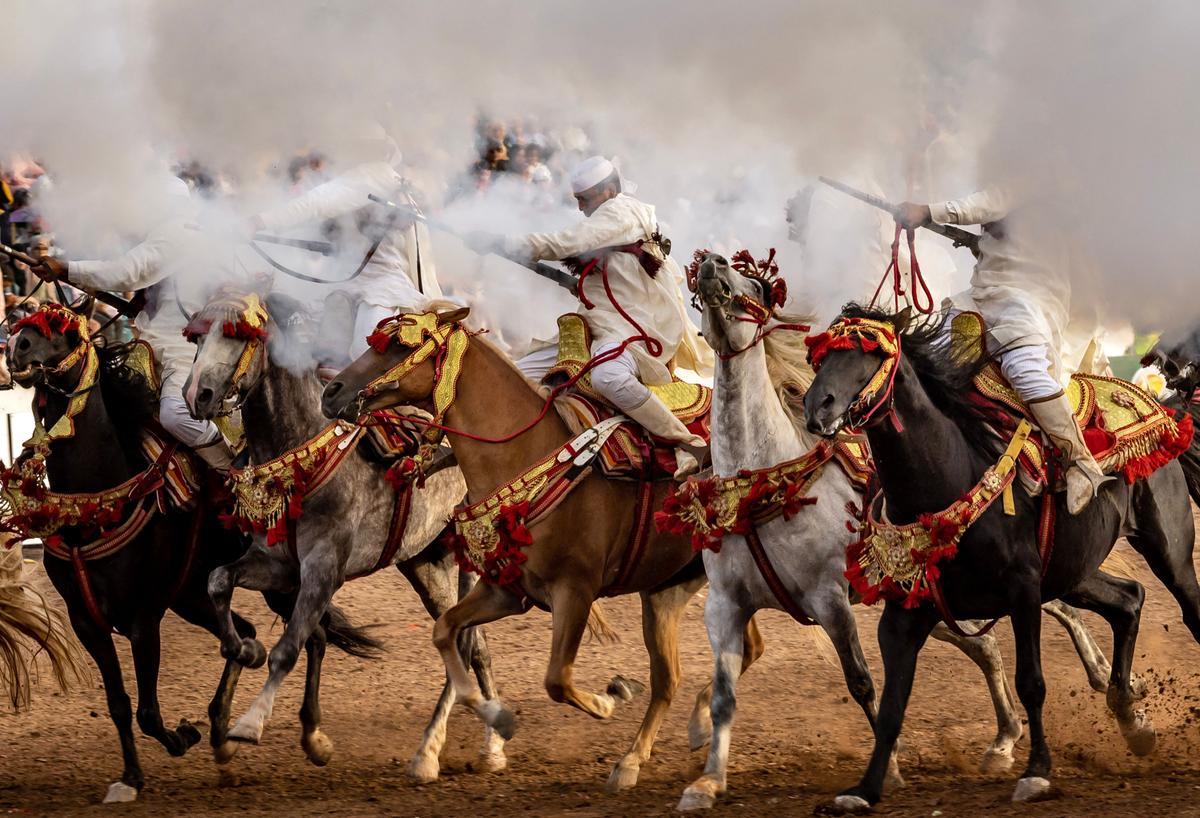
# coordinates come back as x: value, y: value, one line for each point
x: 355, y: 640
x: 598, y: 627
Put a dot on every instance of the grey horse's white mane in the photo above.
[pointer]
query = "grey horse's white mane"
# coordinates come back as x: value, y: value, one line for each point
x: 788, y: 369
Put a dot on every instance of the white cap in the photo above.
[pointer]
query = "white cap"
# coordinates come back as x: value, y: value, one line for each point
x: 591, y: 172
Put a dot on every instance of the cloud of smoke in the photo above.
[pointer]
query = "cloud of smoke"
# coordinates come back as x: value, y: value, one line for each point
x: 720, y: 112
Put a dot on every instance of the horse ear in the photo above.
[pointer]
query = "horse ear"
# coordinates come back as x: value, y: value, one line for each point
x: 903, y: 319
x: 453, y: 316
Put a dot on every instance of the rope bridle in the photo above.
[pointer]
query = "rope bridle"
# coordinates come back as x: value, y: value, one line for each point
x: 875, y: 401
x: 765, y: 273
x: 243, y: 318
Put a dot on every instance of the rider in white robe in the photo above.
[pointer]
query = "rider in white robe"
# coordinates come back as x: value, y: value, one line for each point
x: 652, y: 305
x: 150, y: 266
x: 400, y: 274
x: 1023, y: 291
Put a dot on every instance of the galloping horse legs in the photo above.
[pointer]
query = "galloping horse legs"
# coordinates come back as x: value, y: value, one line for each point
x: 570, y: 606
x: 700, y: 723
x: 661, y: 612
x: 484, y: 603
x: 145, y: 641
x: 1093, y: 659
x: 99, y: 645
x: 902, y: 633
x: 432, y: 575
x: 256, y: 571
x: 319, y: 580
x: 316, y: 744
x: 726, y: 621
x: 984, y: 651
x: 1119, y: 601
x: 1026, y: 611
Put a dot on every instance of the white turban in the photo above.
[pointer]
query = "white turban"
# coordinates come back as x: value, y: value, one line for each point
x: 591, y: 172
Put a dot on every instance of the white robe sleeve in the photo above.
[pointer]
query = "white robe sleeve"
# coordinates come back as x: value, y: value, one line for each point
x: 604, y: 228
x: 137, y: 269
x: 979, y: 208
x: 337, y: 197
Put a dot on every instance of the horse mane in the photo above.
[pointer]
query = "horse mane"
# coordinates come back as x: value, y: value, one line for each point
x: 128, y: 398
x: 946, y: 377
x: 788, y: 369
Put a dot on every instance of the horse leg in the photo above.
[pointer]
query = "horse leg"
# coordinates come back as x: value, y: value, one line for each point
x: 432, y: 575
x: 833, y: 614
x: 984, y: 651
x: 317, y: 746
x: 145, y: 641
x: 661, y: 612
x: 700, y: 723
x: 570, y: 606
x: 727, y: 623
x: 484, y: 603
x: 1026, y: 614
x: 198, y: 610
x: 1170, y: 558
x: 1119, y: 601
x: 257, y: 571
x: 319, y: 575
x: 902, y: 633
x: 1093, y: 659
x: 491, y: 755
x: 99, y: 645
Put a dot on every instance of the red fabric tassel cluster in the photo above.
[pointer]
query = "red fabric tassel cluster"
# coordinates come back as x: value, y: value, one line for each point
x: 379, y: 341
x: 502, y: 565
x: 822, y: 344
x: 1169, y: 447
x: 49, y: 320
x: 687, y: 496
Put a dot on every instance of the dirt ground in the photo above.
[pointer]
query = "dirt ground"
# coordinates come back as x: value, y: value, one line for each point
x: 797, y: 739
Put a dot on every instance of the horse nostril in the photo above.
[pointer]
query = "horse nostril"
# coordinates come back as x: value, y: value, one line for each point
x: 23, y: 344
x: 204, y: 397
x: 827, y: 402
x: 333, y: 388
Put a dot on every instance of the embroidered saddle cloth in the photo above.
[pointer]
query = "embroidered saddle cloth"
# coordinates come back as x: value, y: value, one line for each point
x: 1126, y: 430
x: 631, y: 452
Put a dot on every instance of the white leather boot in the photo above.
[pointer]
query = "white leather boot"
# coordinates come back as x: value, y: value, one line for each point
x: 1083, y: 475
x: 656, y: 418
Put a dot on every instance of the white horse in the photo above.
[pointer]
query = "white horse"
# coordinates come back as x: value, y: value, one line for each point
x: 756, y: 427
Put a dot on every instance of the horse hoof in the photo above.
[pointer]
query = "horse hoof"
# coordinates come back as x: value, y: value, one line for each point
x: 893, y: 780
x: 850, y: 805
x: 491, y: 761
x: 624, y: 689
x: 1140, y: 737
x: 499, y: 718
x: 623, y: 776
x: 423, y: 769
x: 188, y: 732
x: 247, y: 730
x: 996, y: 762
x: 695, y: 801
x: 120, y: 793
x: 1033, y: 788
x: 318, y: 747
x: 224, y: 752
x: 252, y: 654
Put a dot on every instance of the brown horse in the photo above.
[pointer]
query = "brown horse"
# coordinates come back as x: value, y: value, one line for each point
x: 568, y: 565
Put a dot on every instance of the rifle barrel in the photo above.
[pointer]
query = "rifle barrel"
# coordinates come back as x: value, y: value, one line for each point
x: 960, y: 237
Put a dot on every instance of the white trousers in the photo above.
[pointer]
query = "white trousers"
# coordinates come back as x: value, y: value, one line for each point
x: 616, y: 380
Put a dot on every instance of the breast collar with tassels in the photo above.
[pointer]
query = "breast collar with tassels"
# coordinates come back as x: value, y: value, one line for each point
x: 111, y: 518
x: 244, y: 318
x: 875, y: 402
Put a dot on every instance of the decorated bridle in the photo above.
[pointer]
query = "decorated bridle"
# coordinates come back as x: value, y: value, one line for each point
x: 874, y: 401
x: 55, y: 319
x: 765, y: 273
x: 243, y: 318
x: 428, y: 337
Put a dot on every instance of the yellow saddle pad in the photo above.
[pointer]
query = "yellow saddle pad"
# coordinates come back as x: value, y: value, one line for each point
x: 688, y: 401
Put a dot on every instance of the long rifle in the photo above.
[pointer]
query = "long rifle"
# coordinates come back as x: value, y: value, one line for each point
x: 960, y: 237
x: 129, y: 309
x: 559, y: 276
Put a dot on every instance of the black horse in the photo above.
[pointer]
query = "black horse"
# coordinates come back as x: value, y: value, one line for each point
x: 930, y: 448
x: 130, y: 590
x: 1179, y: 361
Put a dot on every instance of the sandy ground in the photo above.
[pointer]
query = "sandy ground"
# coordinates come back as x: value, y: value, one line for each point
x: 797, y: 740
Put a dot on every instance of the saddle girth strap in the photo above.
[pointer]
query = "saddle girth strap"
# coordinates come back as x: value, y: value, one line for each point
x: 769, y: 575
x: 395, y: 536
x: 639, y: 537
